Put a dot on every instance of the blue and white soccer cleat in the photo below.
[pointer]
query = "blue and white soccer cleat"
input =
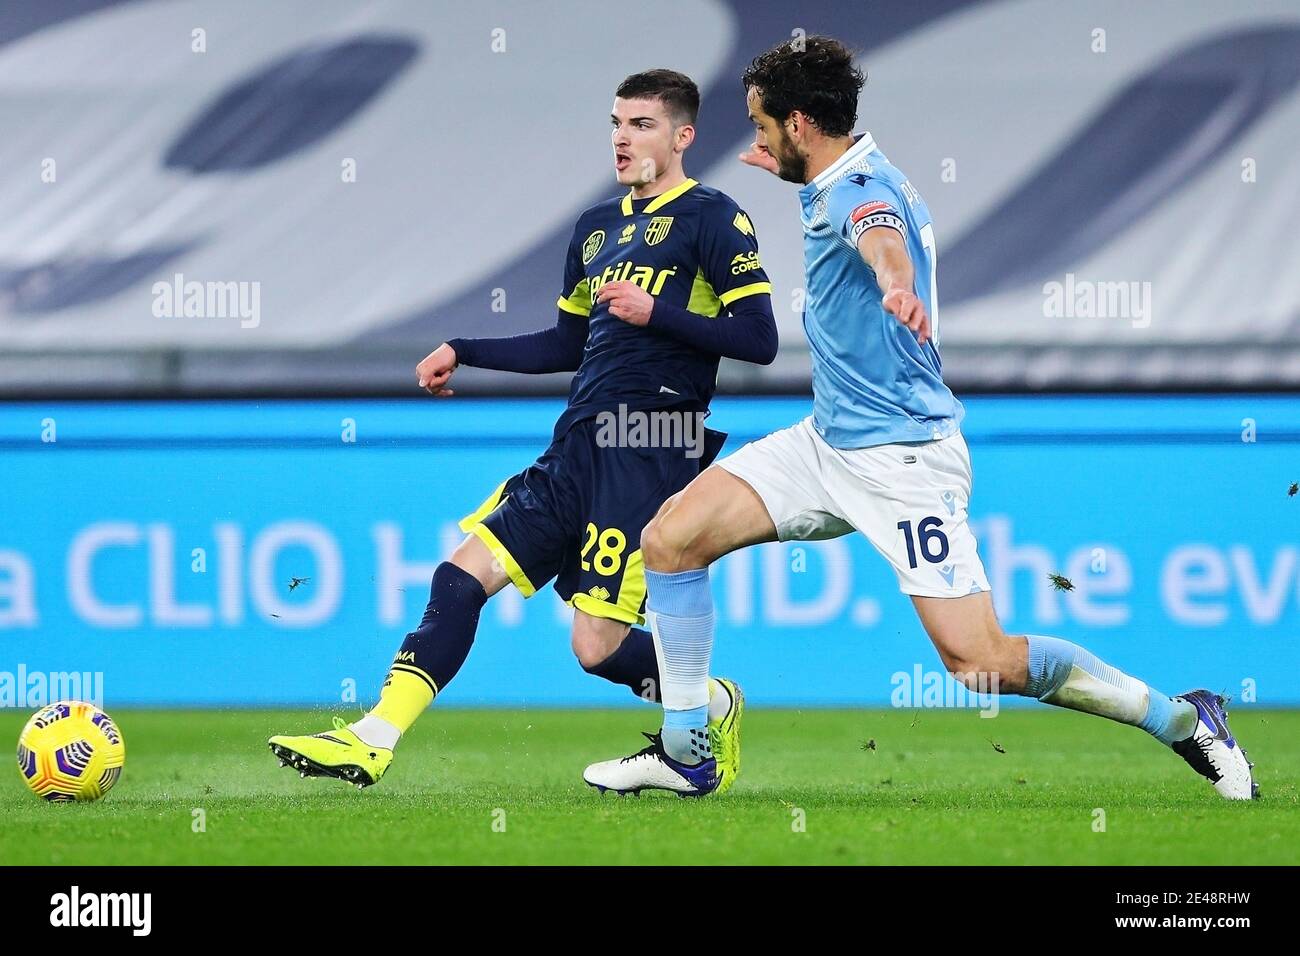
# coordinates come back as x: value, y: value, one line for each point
x: 653, y: 769
x: 1212, y: 751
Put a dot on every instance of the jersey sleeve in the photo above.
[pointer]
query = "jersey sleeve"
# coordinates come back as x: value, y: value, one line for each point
x: 575, y: 296
x: 859, y: 203
x: 729, y: 259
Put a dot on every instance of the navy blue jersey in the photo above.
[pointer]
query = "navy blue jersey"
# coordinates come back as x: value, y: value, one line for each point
x: 692, y: 247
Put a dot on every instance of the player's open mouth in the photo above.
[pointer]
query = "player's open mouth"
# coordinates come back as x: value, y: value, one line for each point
x: 622, y: 161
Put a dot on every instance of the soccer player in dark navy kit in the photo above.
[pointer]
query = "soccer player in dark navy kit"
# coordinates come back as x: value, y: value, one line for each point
x: 659, y: 283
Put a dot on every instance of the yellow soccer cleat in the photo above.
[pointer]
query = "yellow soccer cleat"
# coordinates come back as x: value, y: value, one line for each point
x: 337, y: 753
x: 724, y: 736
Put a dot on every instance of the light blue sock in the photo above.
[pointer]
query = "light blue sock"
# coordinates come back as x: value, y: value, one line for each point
x: 680, y: 610
x: 688, y: 731
x: 1066, y: 675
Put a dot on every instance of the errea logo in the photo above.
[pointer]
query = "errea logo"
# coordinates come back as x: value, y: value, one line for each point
x: 745, y: 262
x: 742, y: 223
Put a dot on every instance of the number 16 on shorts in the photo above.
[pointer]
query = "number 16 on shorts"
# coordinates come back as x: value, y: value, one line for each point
x: 941, y: 558
x: 927, y: 538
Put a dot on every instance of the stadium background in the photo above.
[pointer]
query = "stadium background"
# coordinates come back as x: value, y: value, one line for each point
x: 392, y: 174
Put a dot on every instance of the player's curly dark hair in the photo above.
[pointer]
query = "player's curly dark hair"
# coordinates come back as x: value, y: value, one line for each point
x: 814, y: 75
x: 677, y: 91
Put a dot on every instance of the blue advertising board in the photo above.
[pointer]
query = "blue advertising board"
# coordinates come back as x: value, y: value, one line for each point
x: 154, y: 544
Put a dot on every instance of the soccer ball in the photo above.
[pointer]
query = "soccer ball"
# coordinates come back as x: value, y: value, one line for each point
x: 70, y: 751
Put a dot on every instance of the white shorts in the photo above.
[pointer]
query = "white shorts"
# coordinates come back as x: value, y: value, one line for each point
x: 908, y: 499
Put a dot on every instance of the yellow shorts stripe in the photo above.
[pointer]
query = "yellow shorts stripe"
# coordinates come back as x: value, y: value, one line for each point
x: 597, y: 608
x: 630, y: 595
x: 482, y: 511
x: 517, y: 576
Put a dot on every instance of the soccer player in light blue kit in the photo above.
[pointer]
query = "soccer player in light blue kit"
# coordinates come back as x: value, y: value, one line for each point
x: 882, y: 454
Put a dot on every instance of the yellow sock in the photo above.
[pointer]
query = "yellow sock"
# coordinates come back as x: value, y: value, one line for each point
x: 406, y: 693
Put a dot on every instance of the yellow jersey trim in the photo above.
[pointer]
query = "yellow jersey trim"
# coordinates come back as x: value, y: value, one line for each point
x: 703, y: 301
x: 578, y: 301
x: 661, y: 200
x: 754, y: 288
x: 568, y: 306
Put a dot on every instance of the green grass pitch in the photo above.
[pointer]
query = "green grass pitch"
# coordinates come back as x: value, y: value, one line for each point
x: 504, y: 786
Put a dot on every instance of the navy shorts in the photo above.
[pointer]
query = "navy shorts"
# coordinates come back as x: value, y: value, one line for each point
x: 576, y: 515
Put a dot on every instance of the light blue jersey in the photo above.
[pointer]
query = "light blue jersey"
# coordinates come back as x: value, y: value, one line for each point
x: 872, y: 383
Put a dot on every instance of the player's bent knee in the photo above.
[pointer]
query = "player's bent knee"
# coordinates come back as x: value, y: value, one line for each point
x: 589, y: 650
x: 655, y: 549
x: 658, y: 549
x: 473, y: 557
x: 668, y: 543
x: 593, y: 639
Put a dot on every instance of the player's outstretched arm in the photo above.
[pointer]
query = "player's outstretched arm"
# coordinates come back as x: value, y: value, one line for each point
x: 747, y: 331
x: 557, y: 349
x: 883, y: 249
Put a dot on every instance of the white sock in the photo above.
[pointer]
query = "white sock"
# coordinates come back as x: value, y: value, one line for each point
x: 376, y: 732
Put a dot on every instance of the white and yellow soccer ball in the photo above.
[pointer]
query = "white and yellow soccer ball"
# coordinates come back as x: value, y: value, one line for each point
x: 70, y: 751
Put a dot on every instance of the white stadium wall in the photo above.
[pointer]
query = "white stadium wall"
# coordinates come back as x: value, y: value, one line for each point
x: 1114, y: 202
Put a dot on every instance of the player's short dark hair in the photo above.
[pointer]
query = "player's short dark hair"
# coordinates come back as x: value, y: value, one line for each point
x: 677, y: 91
x: 814, y: 75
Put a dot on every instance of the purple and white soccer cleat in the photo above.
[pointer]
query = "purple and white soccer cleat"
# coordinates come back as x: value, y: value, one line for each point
x: 652, y: 769
x: 1212, y: 751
